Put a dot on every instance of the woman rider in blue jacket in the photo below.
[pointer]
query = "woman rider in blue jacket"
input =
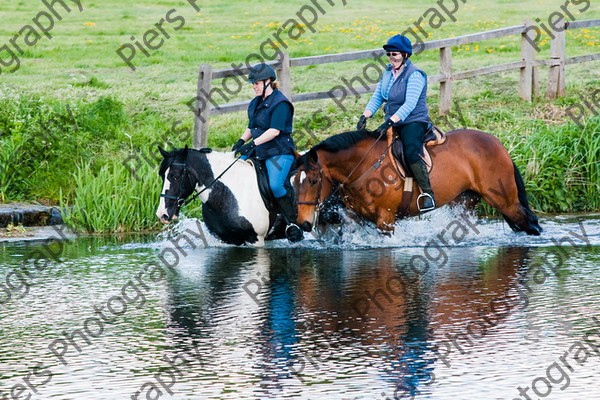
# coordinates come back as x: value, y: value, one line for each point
x: 404, y: 89
x: 270, y: 116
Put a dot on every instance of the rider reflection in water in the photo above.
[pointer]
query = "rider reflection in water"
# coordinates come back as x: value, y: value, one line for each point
x: 270, y: 116
x: 404, y: 89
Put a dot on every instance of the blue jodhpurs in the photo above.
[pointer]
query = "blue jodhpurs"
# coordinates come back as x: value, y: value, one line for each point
x: 278, y: 168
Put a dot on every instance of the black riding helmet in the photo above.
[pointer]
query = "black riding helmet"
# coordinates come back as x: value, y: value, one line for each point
x: 261, y: 72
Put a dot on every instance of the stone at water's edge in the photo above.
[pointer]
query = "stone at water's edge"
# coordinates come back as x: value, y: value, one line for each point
x: 36, y: 233
x: 29, y: 215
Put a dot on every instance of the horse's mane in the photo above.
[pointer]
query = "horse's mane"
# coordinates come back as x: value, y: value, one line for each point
x: 344, y: 140
x: 177, y: 155
x: 335, y: 143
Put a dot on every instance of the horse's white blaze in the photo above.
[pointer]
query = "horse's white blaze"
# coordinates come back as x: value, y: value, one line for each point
x: 241, y: 180
x: 162, y: 208
x: 302, y: 177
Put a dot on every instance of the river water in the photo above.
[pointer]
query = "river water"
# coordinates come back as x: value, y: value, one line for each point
x: 448, y: 308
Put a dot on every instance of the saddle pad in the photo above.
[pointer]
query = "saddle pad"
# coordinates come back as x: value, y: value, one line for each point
x: 400, y: 161
x: 435, y: 136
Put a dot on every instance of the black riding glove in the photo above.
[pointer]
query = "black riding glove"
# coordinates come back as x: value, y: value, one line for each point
x: 362, y: 123
x: 237, y: 145
x: 247, y: 148
x: 382, y: 129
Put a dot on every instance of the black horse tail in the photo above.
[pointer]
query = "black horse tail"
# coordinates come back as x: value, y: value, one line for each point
x: 533, y: 226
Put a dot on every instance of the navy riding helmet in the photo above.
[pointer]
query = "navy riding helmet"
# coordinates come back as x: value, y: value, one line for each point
x: 399, y: 43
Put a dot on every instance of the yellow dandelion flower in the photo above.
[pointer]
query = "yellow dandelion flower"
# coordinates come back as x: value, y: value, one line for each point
x: 89, y: 23
x: 589, y: 43
x: 326, y: 48
x: 248, y: 36
x: 235, y: 36
x: 502, y: 46
x: 490, y: 50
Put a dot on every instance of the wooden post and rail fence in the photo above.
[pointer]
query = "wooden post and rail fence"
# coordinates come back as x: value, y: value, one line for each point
x: 528, y: 66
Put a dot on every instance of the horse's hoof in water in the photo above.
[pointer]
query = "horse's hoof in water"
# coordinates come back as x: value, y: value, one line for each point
x: 294, y: 233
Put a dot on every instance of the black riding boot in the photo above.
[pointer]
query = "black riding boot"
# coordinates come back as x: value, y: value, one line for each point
x: 422, y: 176
x: 287, y: 205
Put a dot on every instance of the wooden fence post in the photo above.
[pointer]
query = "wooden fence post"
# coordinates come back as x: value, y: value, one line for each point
x: 202, y: 108
x: 556, y: 76
x: 527, y: 56
x: 285, y: 77
x: 446, y: 84
x: 535, y: 80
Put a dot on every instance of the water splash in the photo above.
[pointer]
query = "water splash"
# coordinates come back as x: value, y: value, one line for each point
x: 451, y: 223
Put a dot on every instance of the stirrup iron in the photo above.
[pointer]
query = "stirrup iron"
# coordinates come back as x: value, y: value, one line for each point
x: 428, y: 208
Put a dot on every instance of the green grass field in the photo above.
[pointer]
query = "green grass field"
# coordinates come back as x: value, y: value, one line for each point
x: 115, y: 111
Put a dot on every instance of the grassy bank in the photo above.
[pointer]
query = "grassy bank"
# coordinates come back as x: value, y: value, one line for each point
x: 79, y: 126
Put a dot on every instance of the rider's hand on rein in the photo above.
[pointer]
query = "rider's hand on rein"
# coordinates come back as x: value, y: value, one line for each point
x: 384, y: 127
x: 246, y: 149
x: 238, y: 145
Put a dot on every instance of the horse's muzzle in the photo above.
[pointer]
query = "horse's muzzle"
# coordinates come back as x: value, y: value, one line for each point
x: 306, y: 226
x: 166, y: 220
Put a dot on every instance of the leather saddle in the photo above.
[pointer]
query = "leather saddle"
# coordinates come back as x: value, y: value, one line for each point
x: 433, y: 137
x: 262, y: 178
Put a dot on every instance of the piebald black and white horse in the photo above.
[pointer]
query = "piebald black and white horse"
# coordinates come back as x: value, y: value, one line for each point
x: 232, y: 207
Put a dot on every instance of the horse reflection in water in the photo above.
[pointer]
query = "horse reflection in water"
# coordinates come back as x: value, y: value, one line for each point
x: 277, y: 321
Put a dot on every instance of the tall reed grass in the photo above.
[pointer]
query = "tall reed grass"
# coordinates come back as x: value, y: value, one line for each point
x: 111, y: 200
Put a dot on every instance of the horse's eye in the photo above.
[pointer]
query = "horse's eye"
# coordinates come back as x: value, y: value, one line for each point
x: 314, y: 181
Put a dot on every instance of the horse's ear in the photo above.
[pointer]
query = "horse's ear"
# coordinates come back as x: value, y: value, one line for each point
x: 185, y: 151
x: 313, y: 156
x: 164, y: 153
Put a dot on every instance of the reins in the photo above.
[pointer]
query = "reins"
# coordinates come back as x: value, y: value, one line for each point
x: 181, y: 201
x: 363, y: 158
x: 363, y: 176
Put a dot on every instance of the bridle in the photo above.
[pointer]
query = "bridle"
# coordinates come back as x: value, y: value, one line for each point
x: 181, y: 200
x: 318, y: 202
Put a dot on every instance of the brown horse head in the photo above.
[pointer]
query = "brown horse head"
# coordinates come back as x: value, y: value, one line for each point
x: 313, y: 188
